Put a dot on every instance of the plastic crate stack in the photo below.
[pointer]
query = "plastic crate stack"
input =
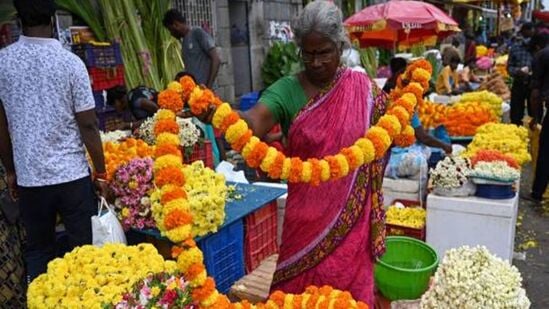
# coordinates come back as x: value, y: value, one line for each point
x: 260, y: 239
x: 106, y: 70
x: 223, y: 255
x: 201, y: 151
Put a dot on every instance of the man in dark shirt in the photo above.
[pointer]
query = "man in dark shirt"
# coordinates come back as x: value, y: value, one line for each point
x: 520, y: 67
x: 539, y: 96
x: 199, y: 53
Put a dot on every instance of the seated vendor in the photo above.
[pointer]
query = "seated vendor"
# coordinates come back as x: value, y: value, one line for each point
x: 397, y: 65
x: 140, y: 102
x: 423, y: 137
x: 467, y: 78
x: 448, y: 79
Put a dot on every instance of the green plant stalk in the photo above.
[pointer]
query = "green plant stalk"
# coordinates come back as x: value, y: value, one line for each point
x: 85, y: 10
x: 138, y: 38
x: 117, y: 29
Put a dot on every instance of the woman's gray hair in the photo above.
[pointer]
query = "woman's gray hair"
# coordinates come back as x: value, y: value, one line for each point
x: 323, y: 17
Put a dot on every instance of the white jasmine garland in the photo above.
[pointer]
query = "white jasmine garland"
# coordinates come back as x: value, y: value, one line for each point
x: 474, y: 278
x: 451, y: 173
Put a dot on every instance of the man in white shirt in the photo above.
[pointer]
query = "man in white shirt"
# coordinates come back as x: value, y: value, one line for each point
x: 47, y: 115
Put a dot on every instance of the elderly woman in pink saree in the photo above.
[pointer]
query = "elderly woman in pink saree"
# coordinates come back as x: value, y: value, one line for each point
x: 332, y: 232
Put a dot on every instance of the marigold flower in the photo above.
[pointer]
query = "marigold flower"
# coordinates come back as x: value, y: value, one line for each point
x: 167, y: 139
x: 194, y: 270
x: 249, y: 146
x: 275, y: 170
x: 391, y: 124
x: 170, y: 99
x: 176, y: 218
x: 335, y: 169
x: 380, y: 139
x: 296, y: 169
x: 220, y: 113
x: 229, y: 120
x: 325, y: 172
x: 307, y: 172
x: 201, y: 293
x: 257, y: 154
x: 165, y: 149
x: 169, y: 175
x: 278, y: 298
x: 316, y: 171
x: 236, y: 129
x: 187, y: 86
x: 406, y: 138
x: 269, y: 159
x: 164, y: 114
x: 166, y: 126
x: 175, y: 86
x: 242, y: 141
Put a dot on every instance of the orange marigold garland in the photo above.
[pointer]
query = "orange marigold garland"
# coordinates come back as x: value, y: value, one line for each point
x: 187, y: 85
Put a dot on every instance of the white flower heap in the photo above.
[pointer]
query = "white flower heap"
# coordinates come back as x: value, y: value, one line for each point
x: 451, y: 173
x: 497, y: 170
x: 473, y: 278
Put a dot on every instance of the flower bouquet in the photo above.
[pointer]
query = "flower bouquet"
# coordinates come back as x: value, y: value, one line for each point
x: 131, y: 185
x: 161, y: 290
x: 450, y: 177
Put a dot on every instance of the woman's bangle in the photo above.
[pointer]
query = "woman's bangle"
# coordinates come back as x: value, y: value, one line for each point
x: 131, y: 125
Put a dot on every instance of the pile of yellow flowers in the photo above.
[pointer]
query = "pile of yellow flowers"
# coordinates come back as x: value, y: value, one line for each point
x: 206, y: 192
x: 485, y: 97
x: 413, y: 217
x: 91, y: 276
x: 508, y: 139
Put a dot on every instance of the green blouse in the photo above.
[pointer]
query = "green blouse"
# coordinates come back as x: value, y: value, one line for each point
x: 285, y: 98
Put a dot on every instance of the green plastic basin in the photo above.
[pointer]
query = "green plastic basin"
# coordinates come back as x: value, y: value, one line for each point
x: 403, y: 272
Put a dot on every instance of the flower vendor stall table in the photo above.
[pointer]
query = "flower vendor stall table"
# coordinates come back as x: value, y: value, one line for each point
x: 224, y: 250
x: 456, y: 221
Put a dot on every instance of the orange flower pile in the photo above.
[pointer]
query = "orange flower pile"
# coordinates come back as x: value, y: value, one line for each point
x: 463, y: 119
x: 118, y: 154
x: 486, y: 155
x: 431, y: 114
x: 313, y: 297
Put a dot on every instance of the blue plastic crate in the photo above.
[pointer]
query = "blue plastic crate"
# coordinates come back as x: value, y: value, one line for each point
x: 99, y: 56
x: 99, y: 100
x: 224, y: 255
x: 248, y: 100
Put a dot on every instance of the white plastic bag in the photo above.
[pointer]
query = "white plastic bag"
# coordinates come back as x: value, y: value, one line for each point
x: 105, y: 226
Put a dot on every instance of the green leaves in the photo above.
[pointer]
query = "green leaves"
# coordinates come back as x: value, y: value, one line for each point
x: 281, y: 60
